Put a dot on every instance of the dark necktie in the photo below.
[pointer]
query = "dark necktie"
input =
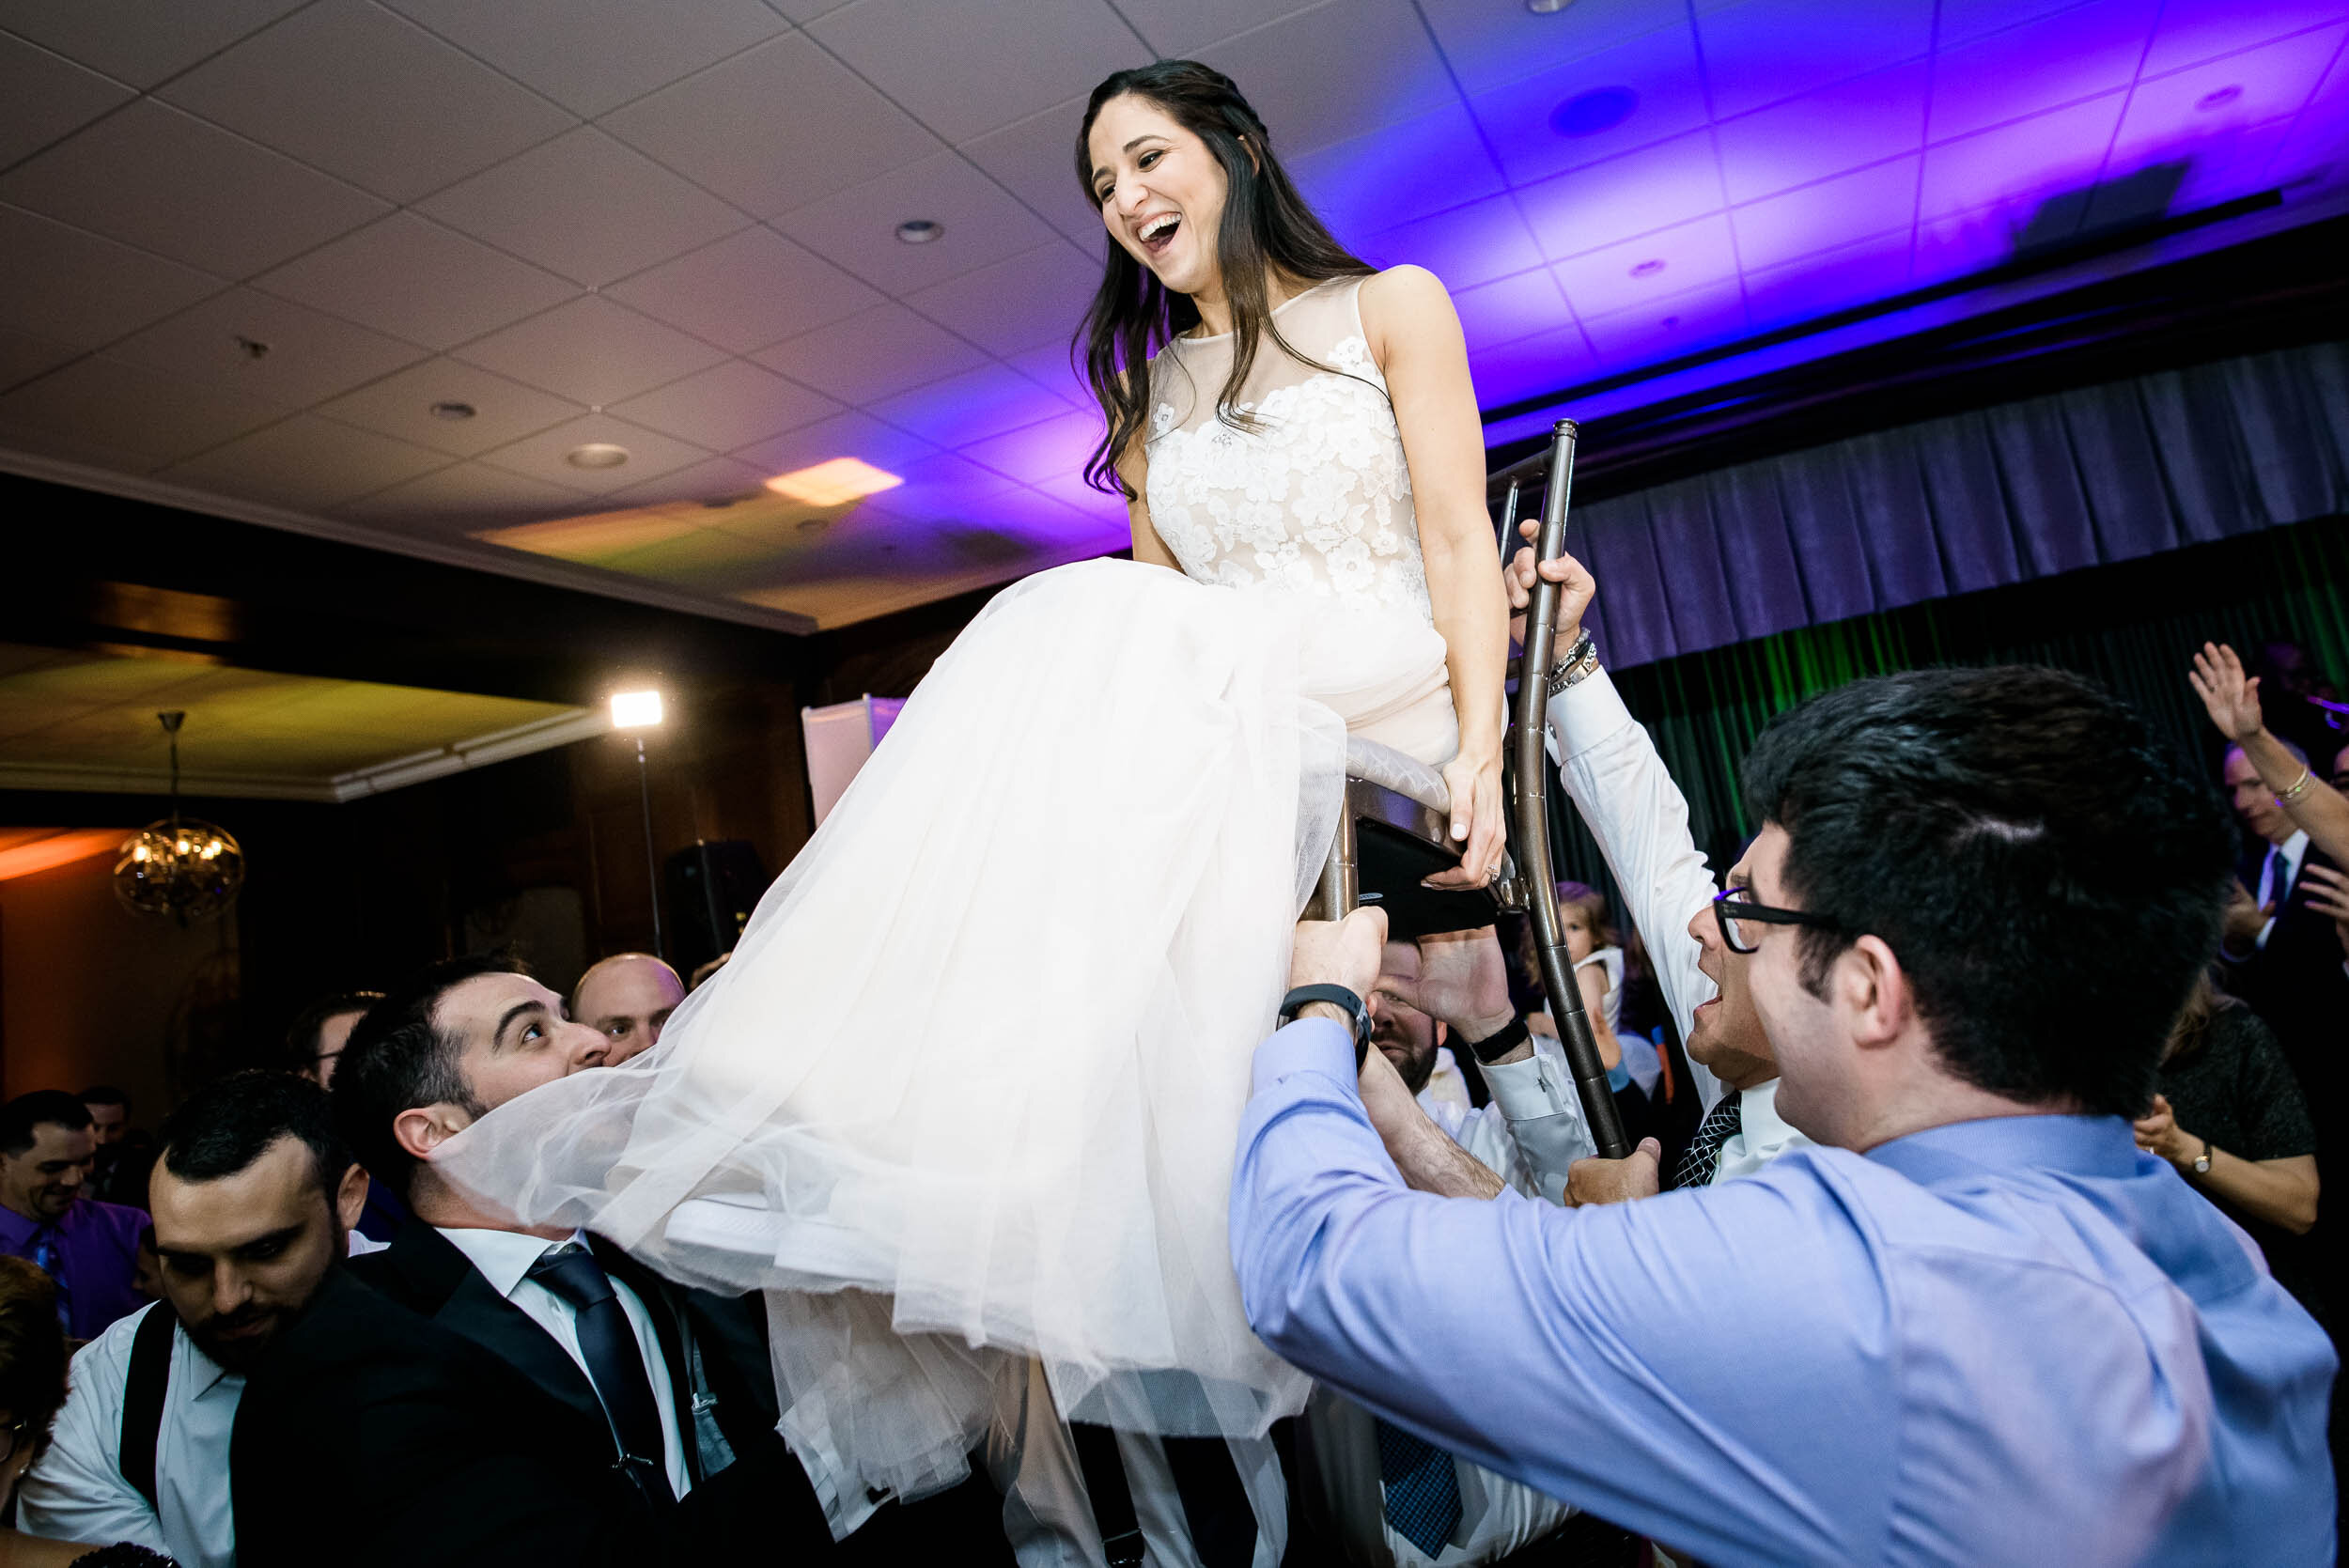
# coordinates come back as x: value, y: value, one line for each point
x: 48, y: 1255
x: 1422, y: 1491
x: 1704, y: 1154
x: 615, y: 1363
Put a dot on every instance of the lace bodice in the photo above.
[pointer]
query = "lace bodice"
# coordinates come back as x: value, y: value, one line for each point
x: 1317, y: 501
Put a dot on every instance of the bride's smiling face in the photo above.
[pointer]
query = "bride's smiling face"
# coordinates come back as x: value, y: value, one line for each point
x: 1159, y: 189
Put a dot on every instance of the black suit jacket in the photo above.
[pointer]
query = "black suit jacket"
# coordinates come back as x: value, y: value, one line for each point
x: 416, y: 1415
x: 2296, y: 984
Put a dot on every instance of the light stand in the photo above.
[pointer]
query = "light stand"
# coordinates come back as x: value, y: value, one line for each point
x: 636, y: 713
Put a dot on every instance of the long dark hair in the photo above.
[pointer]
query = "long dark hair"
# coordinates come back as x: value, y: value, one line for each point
x: 1266, y: 227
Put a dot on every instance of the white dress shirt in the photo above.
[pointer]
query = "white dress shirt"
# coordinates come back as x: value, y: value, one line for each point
x: 2279, y: 873
x: 75, y: 1491
x: 504, y: 1258
x: 1615, y: 779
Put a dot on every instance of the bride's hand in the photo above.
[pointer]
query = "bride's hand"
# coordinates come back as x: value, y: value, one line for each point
x: 1476, y: 820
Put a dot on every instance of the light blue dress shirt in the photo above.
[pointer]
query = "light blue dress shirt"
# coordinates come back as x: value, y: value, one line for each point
x: 2016, y: 1341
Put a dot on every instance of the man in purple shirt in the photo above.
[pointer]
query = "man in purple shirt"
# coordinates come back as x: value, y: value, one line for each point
x: 90, y: 1248
x: 1995, y: 1330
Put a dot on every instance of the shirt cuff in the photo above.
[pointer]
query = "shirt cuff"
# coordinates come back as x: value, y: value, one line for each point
x: 1321, y: 1046
x: 1585, y: 714
x: 1521, y: 1089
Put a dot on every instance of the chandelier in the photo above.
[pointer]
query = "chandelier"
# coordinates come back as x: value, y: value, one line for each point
x: 180, y: 867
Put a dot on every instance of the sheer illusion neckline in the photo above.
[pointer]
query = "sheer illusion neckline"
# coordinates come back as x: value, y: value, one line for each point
x: 1218, y: 338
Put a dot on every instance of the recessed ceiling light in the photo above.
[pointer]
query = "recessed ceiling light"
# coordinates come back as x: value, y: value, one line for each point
x: 835, y: 483
x: 453, y: 411
x: 597, y: 454
x: 2218, y: 99
x: 1544, y: 8
x: 1647, y: 269
x: 1669, y: 322
x: 919, y: 231
x: 1588, y: 114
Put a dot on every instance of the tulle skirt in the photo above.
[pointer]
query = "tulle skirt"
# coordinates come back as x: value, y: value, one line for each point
x: 969, y: 1089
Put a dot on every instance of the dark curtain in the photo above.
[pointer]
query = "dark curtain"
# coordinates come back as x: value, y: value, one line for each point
x: 2006, y: 495
x: 2133, y: 626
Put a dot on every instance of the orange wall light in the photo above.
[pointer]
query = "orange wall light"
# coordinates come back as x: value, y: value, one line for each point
x: 24, y: 856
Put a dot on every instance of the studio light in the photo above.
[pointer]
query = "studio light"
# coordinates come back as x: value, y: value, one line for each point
x: 180, y: 867
x: 635, y: 710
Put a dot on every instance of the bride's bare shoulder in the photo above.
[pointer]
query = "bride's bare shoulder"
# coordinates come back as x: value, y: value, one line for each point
x: 1405, y: 305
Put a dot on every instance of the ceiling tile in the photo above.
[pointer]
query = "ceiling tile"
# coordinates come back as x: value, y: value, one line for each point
x: 884, y: 350
x: 1491, y: 45
x: 1041, y: 453
x: 1758, y: 52
x: 1622, y: 277
x: 1497, y: 313
x: 141, y: 41
x: 1182, y: 30
x: 1034, y: 159
x: 1654, y: 76
x: 155, y: 418
x: 44, y: 96
x: 964, y: 69
x: 1639, y: 191
x: 2168, y: 178
x: 747, y: 290
x: 2023, y: 163
x: 1036, y: 298
x: 2059, y: 59
x: 1336, y: 72
x: 1546, y: 361
x: 2181, y: 113
x: 970, y: 407
x: 1465, y: 246
x: 774, y: 128
x: 1963, y: 21
x: 593, y: 55
x: 592, y: 351
x: 308, y: 355
x: 1667, y: 328
x: 1829, y: 281
x: 727, y: 406
x: 1398, y: 174
x: 1865, y: 120
x: 586, y: 207
x: 943, y: 488
x: 155, y: 178
x: 1833, y: 212
x: 465, y: 498
x: 2195, y: 30
x: 542, y: 456
x: 711, y: 479
x: 305, y: 462
x: 1954, y: 244
x: 847, y: 435
x: 414, y: 279
x: 2310, y: 155
x: 22, y: 357
x: 355, y: 90
x: 1049, y: 367
x: 61, y: 283
x: 858, y: 227
x: 401, y: 405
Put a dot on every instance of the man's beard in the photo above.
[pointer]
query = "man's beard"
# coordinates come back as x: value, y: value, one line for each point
x: 240, y: 1354
x: 1414, y: 1067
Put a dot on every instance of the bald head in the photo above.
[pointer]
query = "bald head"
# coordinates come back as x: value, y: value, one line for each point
x: 628, y: 996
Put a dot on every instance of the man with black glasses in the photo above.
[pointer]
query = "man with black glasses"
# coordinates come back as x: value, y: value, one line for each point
x: 1997, y: 1331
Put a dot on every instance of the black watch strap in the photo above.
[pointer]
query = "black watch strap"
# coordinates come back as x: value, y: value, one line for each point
x: 1336, y: 996
x: 1493, y: 1049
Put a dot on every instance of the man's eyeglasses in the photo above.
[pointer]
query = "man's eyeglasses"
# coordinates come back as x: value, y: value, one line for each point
x: 1741, y: 922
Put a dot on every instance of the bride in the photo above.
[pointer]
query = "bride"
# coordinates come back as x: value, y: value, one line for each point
x: 967, y: 1092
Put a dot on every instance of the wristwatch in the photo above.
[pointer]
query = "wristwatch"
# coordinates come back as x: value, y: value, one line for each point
x: 1336, y: 996
x: 1576, y: 665
x: 2202, y: 1161
x: 1501, y: 1042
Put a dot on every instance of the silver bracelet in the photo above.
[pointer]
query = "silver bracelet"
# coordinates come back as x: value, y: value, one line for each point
x: 1580, y: 665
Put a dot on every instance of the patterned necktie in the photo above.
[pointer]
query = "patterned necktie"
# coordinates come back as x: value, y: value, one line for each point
x: 48, y: 1255
x: 615, y: 1363
x: 1422, y: 1493
x: 1704, y: 1154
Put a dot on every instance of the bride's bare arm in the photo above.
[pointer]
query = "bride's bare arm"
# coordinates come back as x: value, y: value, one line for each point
x: 1415, y: 337
x: 1134, y: 468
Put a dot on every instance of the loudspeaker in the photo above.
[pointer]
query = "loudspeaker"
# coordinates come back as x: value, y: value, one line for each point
x: 711, y: 888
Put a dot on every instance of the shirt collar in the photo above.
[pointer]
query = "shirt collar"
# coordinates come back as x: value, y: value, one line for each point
x: 2077, y: 1145
x: 504, y: 1257
x: 1758, y: 1121
x: 16, y: 1229
x: 2293, y: 851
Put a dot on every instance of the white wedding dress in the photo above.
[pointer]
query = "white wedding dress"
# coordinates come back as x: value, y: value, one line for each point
x: 968, y: 1090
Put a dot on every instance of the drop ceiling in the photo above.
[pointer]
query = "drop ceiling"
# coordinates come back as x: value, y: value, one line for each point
x: 248, y: 246
x: 87, y: 721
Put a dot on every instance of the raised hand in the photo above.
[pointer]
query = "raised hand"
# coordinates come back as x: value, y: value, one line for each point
x: 2328, y: 895
x: 1340, y: 952
x: 1581, y: 588
x: 1615, y: 1181
x: 2230, y: 697
x: 1463, y: 982
x: 1477, y: 827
